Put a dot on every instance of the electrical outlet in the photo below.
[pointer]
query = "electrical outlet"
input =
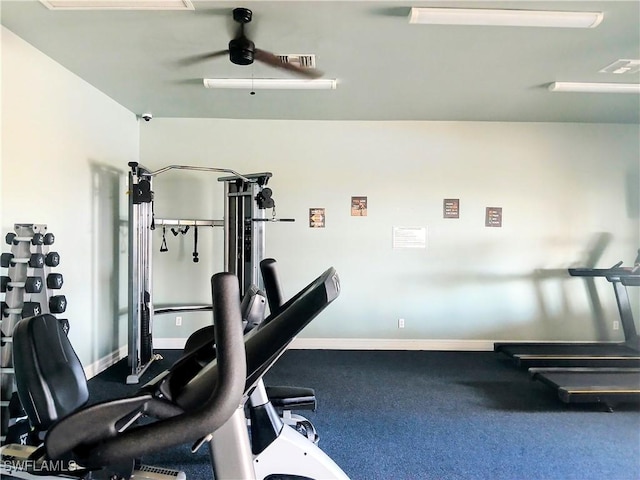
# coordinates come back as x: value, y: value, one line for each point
x: 401, y: 323
x: 616, y: 325
x: 178, y: 321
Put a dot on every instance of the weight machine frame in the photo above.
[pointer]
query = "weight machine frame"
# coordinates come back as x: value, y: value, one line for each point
x: 244, y: 247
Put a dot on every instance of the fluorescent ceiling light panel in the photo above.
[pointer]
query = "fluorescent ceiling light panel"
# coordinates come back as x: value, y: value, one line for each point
x: 509, y: 18
x: 118, y: 4
x: 581, y: 87
x: 271, y: 83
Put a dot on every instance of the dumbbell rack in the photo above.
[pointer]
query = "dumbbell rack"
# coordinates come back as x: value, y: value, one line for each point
x: 25, y: 296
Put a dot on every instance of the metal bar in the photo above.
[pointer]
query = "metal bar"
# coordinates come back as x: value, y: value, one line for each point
x: 230, y: 450
x: 134, y: 275
x: 188, y: 222
x: 182, y: 308
x: 227, y: 220
x: 258, y: 241
x: 198, y: 169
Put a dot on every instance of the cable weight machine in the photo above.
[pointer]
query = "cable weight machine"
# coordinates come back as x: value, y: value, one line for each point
x: 246, y: 200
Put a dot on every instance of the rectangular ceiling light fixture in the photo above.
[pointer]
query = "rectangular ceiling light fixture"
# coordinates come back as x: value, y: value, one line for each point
x: 581, y: 87
x: 118, y: 4
x: 505, y: 18
x: 271, y: 83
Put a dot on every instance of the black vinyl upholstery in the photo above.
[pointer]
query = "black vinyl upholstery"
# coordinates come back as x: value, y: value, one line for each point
x: 253, y: 308
x: 50, y: 379
x: 52, y: 385
x: 93, y: 435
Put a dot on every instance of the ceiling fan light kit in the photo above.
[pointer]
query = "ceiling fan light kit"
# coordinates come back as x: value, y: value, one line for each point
x: 506, y: 18
x: 271, y: 83
x: 584, y: 87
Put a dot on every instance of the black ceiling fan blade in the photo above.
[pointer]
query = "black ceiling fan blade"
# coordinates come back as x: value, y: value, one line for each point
x: 274, y: 61
x: 192, y: 60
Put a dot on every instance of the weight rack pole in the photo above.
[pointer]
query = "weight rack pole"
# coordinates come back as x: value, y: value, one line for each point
x: 258, y: 240
x: 140, y: 302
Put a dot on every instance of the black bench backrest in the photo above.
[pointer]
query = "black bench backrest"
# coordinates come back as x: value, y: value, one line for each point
x: 50, y: 379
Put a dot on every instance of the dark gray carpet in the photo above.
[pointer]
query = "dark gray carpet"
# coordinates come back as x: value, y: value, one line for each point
x: 436, y: 415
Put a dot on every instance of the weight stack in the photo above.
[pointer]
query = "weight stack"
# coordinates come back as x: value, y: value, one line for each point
x: 28, y: 290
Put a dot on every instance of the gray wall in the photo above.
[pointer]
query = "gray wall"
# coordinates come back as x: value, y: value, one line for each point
x: 563, y: 189
x: 65, y: 148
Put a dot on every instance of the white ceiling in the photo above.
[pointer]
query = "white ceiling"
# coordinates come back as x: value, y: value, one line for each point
x: 386, y: 68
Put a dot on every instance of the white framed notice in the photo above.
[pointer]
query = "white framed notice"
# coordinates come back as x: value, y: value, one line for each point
x: 409, y: 237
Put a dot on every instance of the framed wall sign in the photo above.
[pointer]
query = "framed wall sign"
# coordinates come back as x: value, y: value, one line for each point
x: 493, y: 217
x: 316, y: 217
x: 451, y: 208
x: 358, y: 206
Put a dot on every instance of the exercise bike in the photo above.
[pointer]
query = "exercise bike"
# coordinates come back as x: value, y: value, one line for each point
x: 189, y: 402
x: 285, y: 399
x: 274, y: 449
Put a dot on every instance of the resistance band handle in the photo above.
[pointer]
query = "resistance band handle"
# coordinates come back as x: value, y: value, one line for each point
x: 195, y: 245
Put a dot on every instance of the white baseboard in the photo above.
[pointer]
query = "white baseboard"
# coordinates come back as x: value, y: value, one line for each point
x: 105, y: 362
x: 323, y: 344
x: 391, y: 344
x: 360, y: 344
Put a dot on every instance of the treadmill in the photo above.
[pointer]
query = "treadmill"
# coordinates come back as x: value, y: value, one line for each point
x: 608, y: 386
x: 589, y: 354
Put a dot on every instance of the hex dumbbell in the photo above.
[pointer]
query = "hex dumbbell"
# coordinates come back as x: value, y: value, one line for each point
x: 12, y: 238
x: 54, y: 281
x: 35, y: 260
x: 29, y: 309
x: 52, y: 259
x: 30, y: 285
x: 64, y: 323
x: 57, y: 304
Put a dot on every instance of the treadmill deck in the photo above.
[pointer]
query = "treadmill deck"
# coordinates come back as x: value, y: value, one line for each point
x: 587, y: 385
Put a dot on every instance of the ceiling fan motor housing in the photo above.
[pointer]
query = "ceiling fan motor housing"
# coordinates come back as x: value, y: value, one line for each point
x: 241, y: 51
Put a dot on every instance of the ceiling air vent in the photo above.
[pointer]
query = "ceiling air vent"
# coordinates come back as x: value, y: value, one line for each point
x: 299, y: 60
x: 622, y: 66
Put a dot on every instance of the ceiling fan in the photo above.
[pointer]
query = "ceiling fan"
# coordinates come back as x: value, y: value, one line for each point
x: 242, y: 51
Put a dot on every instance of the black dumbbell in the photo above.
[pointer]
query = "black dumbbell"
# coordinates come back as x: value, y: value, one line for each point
x: 64, y: 323
x: 38, y: 239
x: 5, y: 259
x: 30, y: 285
x: 52, y: 259
x: 30, y: 309
x: 27, y: 308
x: 54, y: 281
x: 58, y: 304
x: 49, y: 238
x: 35, y: 260
x: 12, y: 238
